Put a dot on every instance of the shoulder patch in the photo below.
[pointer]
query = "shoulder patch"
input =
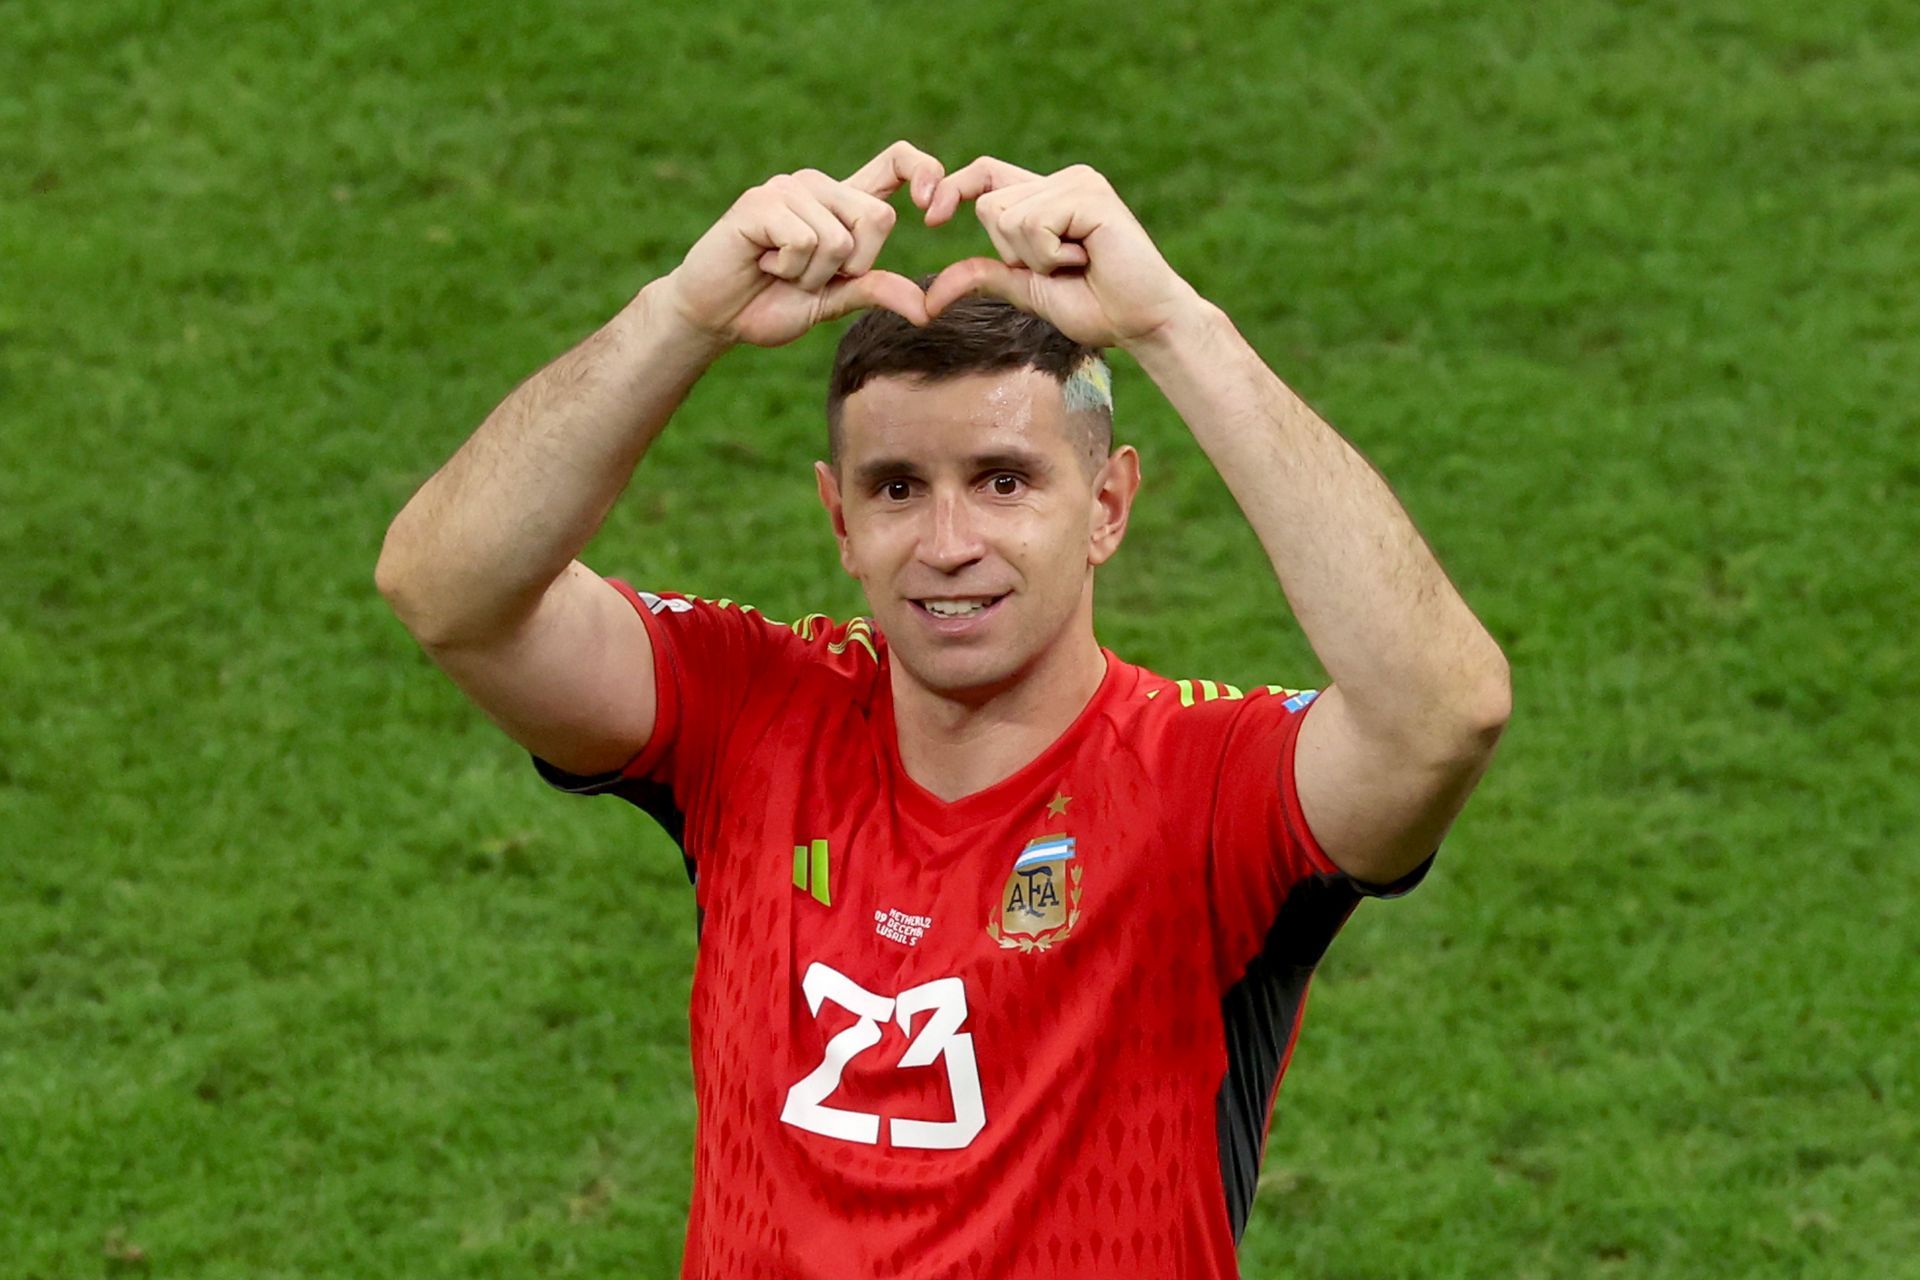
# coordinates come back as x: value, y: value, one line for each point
x: 663, y: 604
x: 811, y: 628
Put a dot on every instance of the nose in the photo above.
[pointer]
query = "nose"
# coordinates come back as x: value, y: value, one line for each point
x: 952, y: 541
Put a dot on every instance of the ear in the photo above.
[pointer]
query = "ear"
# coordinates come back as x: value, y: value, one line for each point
x: 1113, y: 489
x: 829, y: 486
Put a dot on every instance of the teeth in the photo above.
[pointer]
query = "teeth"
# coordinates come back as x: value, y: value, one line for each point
x: 953, y: 608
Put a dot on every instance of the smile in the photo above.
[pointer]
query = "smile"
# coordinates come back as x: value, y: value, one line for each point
x: 951, y: 613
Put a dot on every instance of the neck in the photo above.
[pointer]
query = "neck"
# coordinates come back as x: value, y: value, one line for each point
x: 955, y: 746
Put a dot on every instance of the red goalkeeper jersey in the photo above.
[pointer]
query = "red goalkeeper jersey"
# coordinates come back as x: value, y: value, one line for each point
x: 1033, y: 1033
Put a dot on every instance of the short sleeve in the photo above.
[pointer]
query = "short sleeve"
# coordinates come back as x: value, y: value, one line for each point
x: 706, y: 655
x: 1263, y: 857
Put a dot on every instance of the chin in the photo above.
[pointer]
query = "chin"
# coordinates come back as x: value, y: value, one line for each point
x: 958, y: 672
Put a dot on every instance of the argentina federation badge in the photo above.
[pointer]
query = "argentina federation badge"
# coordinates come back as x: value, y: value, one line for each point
x: 1040, y: 902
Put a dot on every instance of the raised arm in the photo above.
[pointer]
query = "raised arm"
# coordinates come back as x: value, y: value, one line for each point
x: 480, y: 565
x: 1419, y: 691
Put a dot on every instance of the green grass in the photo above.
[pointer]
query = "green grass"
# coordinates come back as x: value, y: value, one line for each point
x: 302, y: 972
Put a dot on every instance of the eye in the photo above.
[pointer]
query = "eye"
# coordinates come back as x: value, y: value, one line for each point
x: 896, y: 490
x: 1005, y: 485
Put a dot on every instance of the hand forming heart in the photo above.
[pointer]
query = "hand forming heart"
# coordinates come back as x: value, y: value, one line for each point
x: 800, y: 249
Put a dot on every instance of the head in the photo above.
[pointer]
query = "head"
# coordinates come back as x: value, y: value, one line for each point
x: 971, y: 473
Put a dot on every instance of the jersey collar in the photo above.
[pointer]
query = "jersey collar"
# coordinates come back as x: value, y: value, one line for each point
x: 1012, y: 793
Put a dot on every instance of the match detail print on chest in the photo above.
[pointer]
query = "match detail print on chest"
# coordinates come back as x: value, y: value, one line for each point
x: 1035, y: 873
x: 827, y: 889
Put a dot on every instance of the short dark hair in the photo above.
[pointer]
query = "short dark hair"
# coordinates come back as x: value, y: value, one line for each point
x: 973, y: 335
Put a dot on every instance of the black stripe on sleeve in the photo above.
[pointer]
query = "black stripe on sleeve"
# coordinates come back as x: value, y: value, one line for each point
x: 1258, y: 1014
x: 655, y: 799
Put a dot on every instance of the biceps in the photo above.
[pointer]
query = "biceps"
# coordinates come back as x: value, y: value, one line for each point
x: 574, y: 684
x: 1378, y: 807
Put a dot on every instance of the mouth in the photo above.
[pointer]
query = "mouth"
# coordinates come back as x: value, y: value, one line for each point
x: 952, y: 615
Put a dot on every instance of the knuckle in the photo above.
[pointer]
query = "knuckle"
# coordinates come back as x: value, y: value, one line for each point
x: 810, y: 174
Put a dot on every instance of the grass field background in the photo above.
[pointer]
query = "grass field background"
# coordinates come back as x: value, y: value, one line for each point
x: 303, y: 973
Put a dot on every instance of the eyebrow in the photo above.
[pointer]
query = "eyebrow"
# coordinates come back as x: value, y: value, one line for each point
x: 869, y: 474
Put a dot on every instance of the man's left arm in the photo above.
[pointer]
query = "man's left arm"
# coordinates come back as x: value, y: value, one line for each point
x: 1419, y: 692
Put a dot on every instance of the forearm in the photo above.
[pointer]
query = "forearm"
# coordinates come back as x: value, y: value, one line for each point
x: 473, y: 551
x: 1409, y: 656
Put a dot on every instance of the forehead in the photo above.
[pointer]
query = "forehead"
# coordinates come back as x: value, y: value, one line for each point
x: 903, y: 416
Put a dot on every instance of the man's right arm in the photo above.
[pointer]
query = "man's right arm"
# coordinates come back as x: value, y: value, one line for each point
x: 481, y: 564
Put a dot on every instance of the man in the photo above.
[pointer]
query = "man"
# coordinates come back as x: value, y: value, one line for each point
x: 1003, y: 940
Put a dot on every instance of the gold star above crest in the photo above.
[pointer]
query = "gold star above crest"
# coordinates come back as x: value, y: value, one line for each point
x: 1057, y: 806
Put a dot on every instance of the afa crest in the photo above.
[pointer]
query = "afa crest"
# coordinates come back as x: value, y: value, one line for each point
x: 1040, y: 902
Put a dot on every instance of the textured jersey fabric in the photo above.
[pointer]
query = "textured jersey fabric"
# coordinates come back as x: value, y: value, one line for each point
x: 1032, y: 1033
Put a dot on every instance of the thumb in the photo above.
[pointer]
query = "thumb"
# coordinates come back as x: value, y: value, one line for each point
x: 981, y: 275
x: 875, y: 289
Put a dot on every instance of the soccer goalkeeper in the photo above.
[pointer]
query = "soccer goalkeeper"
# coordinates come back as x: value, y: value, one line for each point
x: 1003, y: 939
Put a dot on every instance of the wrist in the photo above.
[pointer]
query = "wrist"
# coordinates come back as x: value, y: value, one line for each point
x: 656, y: 317
x: 1192, y: 326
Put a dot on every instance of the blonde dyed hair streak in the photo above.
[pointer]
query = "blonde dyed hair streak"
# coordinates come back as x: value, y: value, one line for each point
x: 1089, y: 386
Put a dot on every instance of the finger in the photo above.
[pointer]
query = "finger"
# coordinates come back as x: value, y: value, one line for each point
x: 989, y: 213
x: 1034, y: 225
x: 867, y: 217
x: 901, y: 163
x: 875, y: 289
x: 970, y: 183
x: 788, y: 239
x: 983, y: 276
x: 835, y: 241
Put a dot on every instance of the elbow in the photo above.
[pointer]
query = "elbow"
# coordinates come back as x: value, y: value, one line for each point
x: 436, y: 611
x: 395, y: 585
x: 420, y: 622
x: 1481, y: 716
x: 387, y: 582
x: 394, y: 594
x: 388, y: 578
x: 1462, y: 726
x: 1494, y: 705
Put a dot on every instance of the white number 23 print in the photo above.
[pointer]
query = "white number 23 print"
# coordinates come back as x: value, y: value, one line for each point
x: 940, y: 1037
